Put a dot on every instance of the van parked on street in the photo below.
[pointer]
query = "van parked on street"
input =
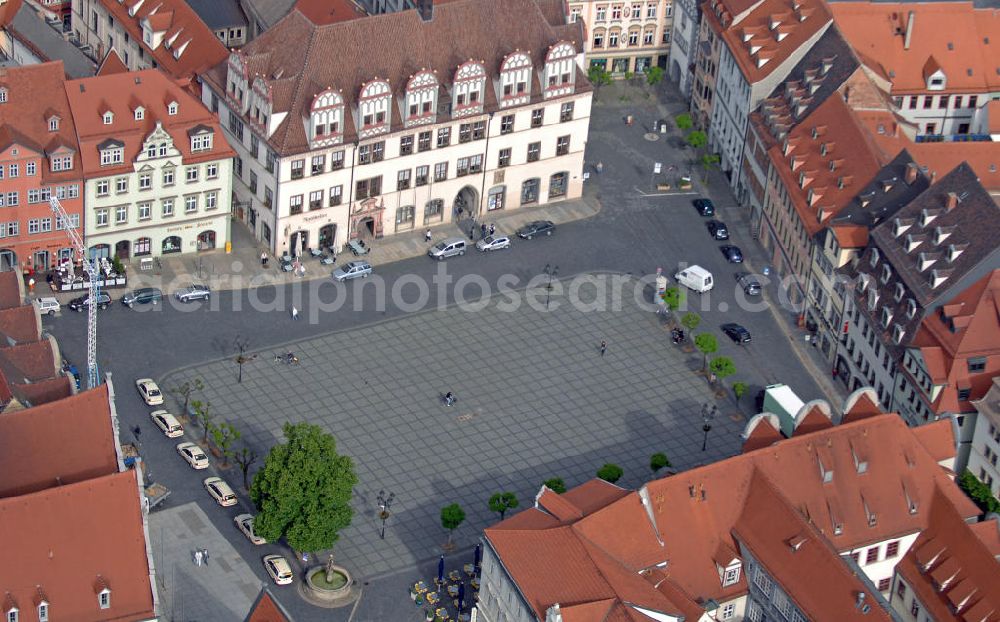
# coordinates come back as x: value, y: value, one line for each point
x: 696, y: 278
x: 447, y: 248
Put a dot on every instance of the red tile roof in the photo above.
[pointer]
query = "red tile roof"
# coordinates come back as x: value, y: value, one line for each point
x: 322, y: 12
x: 20, y: 324
x: 267, y: 609
x: 966, y: 51
x: 111, y: 64
x: 851, y: 236
x: 672, y: 530
x: 769, y: 34
x: 69, y: 542
x: 118, y: 93
x: 952, y: 566
x: 58, y: 443
x: 28, y: 362
x: 11, y: 290
x: 188, y: 46
x: 938, y: 438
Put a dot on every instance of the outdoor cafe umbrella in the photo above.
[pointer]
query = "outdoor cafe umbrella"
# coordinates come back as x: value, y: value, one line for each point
x: 441, y: 570
x: 461, y: 597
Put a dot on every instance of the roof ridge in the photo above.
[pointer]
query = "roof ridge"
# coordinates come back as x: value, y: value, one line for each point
x: 300, y: 80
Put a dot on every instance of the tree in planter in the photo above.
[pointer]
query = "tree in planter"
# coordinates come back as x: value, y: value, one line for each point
x: 673, y: 298
x: 244, y: 458
x: 684, y: 121
x: 696, y: 139
x: 451, y: 517
x: 241, y: 344
x: 708, y: 162
x: 598, y: 76
x: 722, y: 367
x: 304, y: 491
x: 610, y: 473
x: 186, y: 389
x: 223, y: 437
x: 117, y: 266
x: 658, y: 461
x: 654, y: 75
x: 500, y: 502
x: 556, y: 485
x: 739, y: 388
x: 707, y: 344
x: 204, y: 416
x: 690, y: 321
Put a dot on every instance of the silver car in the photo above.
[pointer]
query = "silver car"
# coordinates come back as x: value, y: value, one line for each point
x: 353, y: 270
x: 194, y: 292
x: 493, y: 243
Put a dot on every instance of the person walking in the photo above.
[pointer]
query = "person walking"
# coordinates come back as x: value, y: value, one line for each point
x: 604, y: 347
x: 263, y: 259
x: 427, y: 236
x: 295, y: 313
x: 600, y: 167
x: 482, y: 230
x: 472, y: 232
x: 493, y: 228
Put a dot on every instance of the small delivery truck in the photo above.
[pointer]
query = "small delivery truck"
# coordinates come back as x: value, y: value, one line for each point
x: 696, y: 278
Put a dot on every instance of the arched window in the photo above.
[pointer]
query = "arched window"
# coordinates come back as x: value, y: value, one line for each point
x: 373, y: 108
x: 515, y: 79
x: 421, y: 98
x: 560, y: 69
x: 529, y: 191
x: 327, y: 117
x: 171, y: 244
x: 142, y: 246
x: 557, y: 185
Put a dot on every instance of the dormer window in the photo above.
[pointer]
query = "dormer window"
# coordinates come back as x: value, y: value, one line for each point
x: 873, y: 260
x: 3, y: 94
x: 886, y: 317
x: 421, y: 98
x: 172, y: 108
x: 899, y: 293
x: 731, y: 574
x: 112, y: 152
x: 886, y: 274
x: 940, y: 235
x: 515, y: 74
x: 327, y: 116
x: 560, y: 69
x: 899, y: 228
x: 43, y: 611
x: 13, y: 614
x: 872, y: 298
x: 926, y: 217
x: 911, y: 308
x: 467, y: 89
x: 201, y: 142
x: 108, y: 118
x: 104, y: 599
x: 53, y: 124
x: 897, y: 334
x: 954, y: 252
x: 373, y: 107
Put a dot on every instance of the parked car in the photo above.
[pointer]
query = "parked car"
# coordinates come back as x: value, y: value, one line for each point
x: 446, y: 248
x: 70, y: 370
x: 493, y: 243
x: 749, y: 283
x: 193, y: 455
x: 279, y: 570
x: 142, y: 296
x: 537, y: 227
x: 193, y: 292
x: 79, y: 304
x: 736, y: 332
x: 352, y: 270
x: 705, y: 207
x: 47, y: 305
x: 244, y: 522
x: 718, y: 229
x: 149, y: 391
x: 733, y: 253
x: 220, y: 491
x: 167, y: 423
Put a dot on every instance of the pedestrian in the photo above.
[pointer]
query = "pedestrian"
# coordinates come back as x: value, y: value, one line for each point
x: 295, y: 313
x: 472, y: 232
x: 204, y: 556
x: 427, y: 236
x: 263, y: 259
x: 493, y: 228
x: 31, y: 284
x: 197, y: 557
x: 604, y: 347
x: 459, y: 210
x: 600, y: 167
x: 482, y: 230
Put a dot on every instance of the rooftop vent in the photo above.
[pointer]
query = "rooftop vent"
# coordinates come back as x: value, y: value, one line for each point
x: 951, y: 201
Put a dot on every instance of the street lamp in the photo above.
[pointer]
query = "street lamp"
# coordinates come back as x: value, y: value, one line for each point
x: 384, y: 503
x: 550, y: 271
x: 707, y: 415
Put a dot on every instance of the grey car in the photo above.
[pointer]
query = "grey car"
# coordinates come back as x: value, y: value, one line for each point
x: 537, y: 227
x: 142, y: 296
x: 493, y: 243
x: 748, y: 283
x: 352, y: 270
x: 193, y: 292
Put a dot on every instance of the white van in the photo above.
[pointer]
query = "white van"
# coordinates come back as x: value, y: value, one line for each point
x: 447, y: 248
x: 696, y: 278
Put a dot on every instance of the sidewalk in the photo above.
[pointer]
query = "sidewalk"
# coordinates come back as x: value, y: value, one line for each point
x: 234, y: 270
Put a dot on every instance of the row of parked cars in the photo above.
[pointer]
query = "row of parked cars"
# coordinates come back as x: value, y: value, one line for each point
x: 140, y: 296
x: 277, y: 567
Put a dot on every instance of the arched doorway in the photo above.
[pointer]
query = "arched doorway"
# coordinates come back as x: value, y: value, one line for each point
x: 122, y: 249
x: 206, y: 240
x: 366, y: 228
x: 100, y: 251
x: 8, y: 260
x: 171, y: 244
x: 298, y: 243
x: 466, y: 203
x: 327, y: 236
x: 40, y: 260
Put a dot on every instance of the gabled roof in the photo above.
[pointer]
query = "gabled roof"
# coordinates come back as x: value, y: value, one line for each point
x: 111, y: 64
x: 267, y: 609
x: 19, y: 325
x: 46, y: 43
x: 59, y: 443
x: 11, y: 290
x: 73, y: 540
x: 219, y: 14
x: 894, y: 186
x: 321, y: 12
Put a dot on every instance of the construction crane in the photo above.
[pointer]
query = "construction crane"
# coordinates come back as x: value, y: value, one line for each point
x: 93, y: 274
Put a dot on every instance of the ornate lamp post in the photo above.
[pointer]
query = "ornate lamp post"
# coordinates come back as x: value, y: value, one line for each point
x: 384, y: 503
x: 550, y: 271
x: 707, y: 415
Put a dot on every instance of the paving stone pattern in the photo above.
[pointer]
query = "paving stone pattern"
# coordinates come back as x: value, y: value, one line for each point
x: 535, y: 400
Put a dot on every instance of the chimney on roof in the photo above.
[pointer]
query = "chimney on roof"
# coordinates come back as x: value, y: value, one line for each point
x: 701, y: 489
x: 691, y: 490
x: 951, y: 202
x: 909, y: 29
x: 911, y: 173
x: 426, y: 10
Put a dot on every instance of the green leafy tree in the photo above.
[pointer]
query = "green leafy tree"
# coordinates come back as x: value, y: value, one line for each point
x: 186, y: 389
x: 629, y: 75
x: 556, y: 484
x: 739, y: 388
x: 610, y: 473
x: 204, y: 416
x: 117, y: 266
x: 690, y: 321
x: 673, y: 297
x: 223, y: 437
x: 722, y: 367
x: 654, y: 75
x: 708, y: 162
x: 707, y: 344
x: 598, y: 76
x: 451, y: 517
x: 696, y: 139
x: 684, y: 121
x: 658, y: 461
x: 244, y: 458
x: 979, y: 492
x: 500, y: 502
x: 304, y: 491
